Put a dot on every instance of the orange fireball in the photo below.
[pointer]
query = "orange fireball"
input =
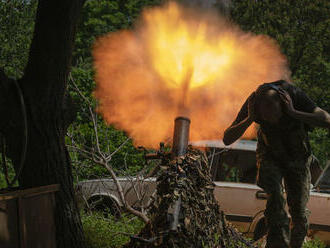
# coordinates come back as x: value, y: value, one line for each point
x: 178, y: 61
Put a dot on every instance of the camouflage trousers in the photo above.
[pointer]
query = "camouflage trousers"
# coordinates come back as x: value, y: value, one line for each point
x: 297, y: 179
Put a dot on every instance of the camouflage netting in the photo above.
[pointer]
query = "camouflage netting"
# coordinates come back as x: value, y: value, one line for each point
x: 201, y: 224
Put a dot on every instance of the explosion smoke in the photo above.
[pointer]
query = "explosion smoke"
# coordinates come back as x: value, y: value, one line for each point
x: 179, y: 61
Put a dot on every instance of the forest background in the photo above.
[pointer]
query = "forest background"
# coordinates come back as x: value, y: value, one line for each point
x: 300, y: 27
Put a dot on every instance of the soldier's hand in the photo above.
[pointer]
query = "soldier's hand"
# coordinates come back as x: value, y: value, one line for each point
x: 287, y: 101
x: 251, y: 106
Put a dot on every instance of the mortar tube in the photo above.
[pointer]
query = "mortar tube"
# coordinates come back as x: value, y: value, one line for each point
x: 179, y: 148
x: 180, y: 136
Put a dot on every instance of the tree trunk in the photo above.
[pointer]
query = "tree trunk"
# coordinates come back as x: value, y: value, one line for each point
x: 43, y: 88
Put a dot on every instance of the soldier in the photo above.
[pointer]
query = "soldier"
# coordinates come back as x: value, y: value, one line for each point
x: 284, y: 113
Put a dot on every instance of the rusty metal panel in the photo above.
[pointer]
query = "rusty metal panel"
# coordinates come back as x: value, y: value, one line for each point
x: 37, y: 225
x: 27, y: 218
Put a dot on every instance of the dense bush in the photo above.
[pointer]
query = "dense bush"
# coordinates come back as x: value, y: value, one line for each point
x: 110, y: 232
x: 316, y: 243
x: 113, y: 233
x: 320, y: 143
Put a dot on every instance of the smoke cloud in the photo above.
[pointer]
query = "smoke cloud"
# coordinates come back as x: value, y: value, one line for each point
x: 181, y: 61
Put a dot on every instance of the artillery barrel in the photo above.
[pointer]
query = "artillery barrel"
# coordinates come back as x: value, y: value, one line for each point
x: 181, y: 136
x: 179, y: 148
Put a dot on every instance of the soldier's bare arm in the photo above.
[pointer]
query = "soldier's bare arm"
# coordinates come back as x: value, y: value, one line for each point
x: 235, y: 131
x: 318, y: 118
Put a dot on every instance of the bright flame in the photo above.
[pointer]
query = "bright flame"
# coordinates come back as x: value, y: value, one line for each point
x: 179, y: 47
x: 179, y: 61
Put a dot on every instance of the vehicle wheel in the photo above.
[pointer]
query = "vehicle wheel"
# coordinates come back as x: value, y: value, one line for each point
x: 105, y: 205
x: 260, y: 230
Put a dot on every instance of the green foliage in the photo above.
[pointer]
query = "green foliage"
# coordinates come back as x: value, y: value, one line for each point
x: 103, y: 232
x: 127, y: 159
x: 302, y: 30
x: 16, y: 29
x: 106, y: 232
x: 320, y: 143
x: 314, y: 243
x: 11, y: 173
x: 102, y: 16
x: 99, y: 18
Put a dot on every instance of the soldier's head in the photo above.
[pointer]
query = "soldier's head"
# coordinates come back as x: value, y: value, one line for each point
x: 268, y: 104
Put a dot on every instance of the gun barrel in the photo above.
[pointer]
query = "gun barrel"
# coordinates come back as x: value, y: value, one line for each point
x: 179, y: 148
x: 181, y: 136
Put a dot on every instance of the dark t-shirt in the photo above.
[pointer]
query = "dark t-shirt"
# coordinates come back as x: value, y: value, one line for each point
x: 300, y: 100
x: 288, y: 139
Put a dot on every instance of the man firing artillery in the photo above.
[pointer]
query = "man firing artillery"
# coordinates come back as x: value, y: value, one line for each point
x: 284, y: 113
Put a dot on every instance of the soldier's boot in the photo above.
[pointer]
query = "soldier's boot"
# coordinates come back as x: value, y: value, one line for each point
x: 270, y: 179
x: 297, y: 185
x: 277, y: 222
x: 299, y: 231
x: 278, y: 237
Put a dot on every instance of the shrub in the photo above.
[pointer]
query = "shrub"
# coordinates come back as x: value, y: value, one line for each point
x: 314, y: 243
x: 109, y: 232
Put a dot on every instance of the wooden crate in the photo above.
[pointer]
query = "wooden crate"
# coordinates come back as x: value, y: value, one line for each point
x: 27, y: 218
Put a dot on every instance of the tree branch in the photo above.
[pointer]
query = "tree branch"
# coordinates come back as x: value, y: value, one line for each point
x: 108, y: 158
x: 76, y: 88
x: 102, y: 158
x: 121, y: 192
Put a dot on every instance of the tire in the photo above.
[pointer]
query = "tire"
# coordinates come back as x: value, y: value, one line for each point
x: 260, y: 230
x: 106, y: 205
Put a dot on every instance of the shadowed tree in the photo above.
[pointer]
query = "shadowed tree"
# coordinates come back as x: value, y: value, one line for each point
x: 43, y: 90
